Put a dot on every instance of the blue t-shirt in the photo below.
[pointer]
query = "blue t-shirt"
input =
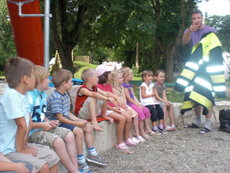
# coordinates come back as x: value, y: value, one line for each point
x: 58, y: 103
x: 13, y: 105
x: 37, y: 100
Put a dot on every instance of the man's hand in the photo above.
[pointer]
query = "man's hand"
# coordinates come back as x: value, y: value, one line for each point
x: 193, y: 27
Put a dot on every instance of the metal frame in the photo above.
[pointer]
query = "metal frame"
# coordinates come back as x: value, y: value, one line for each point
x: 46, y: 16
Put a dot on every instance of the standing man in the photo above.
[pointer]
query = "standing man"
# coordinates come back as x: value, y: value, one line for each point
x: 203, y: 72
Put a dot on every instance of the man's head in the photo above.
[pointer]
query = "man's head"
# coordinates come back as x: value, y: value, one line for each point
x: 19, y: 70
x: 197, y: 18
x: 62, y: 76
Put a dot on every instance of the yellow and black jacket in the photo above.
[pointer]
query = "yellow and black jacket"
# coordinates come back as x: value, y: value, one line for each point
x: 203, y: 75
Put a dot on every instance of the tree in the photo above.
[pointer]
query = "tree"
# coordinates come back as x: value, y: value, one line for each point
x: 7, y: 46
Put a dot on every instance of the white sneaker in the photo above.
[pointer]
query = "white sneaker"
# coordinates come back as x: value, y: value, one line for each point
x: 140, y: 138
x: 135, y: 140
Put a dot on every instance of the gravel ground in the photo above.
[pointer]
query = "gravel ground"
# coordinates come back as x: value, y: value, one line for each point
x: 182, y: 151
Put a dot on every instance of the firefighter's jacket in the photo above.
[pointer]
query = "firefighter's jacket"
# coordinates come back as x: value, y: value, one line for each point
x: 203, y: 75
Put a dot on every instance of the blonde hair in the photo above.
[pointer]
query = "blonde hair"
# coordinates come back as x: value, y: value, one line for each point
x: 114, y: 74
x: 125, y: 71
x: 146, y: 73
x: 86, y: 74
x: 60, y: 76
x: 41, y: 73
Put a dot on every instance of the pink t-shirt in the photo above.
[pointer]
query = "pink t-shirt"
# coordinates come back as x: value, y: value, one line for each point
x: 108, y: 88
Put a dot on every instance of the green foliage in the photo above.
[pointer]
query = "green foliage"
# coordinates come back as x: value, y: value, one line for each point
x: 82, y: 66
x: 7, y: 47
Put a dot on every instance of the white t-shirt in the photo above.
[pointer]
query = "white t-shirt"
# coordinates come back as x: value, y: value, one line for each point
x: 13, y: 105
x: 149, y: 90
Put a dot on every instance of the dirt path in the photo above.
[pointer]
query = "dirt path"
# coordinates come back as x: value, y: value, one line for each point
x: 182, y: 151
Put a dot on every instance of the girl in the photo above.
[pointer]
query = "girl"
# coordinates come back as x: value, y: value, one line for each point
x: 147, y: 97
x: 142, y: 111
x: 160, y: 90
x: 123, y: 123
x: 118, y: 89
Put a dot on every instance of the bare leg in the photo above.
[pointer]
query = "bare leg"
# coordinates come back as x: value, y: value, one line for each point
x: 54, y: 169
x: 88, y: 133
x: 92, y: 110
x: 120, y: 126
x: 136, y: 126
x: 78, y: 133
x: 147, y: 125
x: 71, y: 148
x: 60, y: 148
x: 171, y: 115
x: 44, y: 169
x: 142, y: 131
x: 128, y: 124
x: 165, y: 116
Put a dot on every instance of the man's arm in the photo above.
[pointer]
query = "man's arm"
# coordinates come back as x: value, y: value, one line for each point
x: 186, y: 37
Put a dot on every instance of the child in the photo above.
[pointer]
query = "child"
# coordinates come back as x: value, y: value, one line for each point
x: 15, y: 119
x: 123, y: 123
x: 58, y: 108
x: 160, y: 89
x: 125, y: 110
x: 15, y: 166
x: 46, y: 132
x: 147, y: 97
x: 90, y: 100
x: 143, y: 112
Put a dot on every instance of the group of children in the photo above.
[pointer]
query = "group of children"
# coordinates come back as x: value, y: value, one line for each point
x: 31, y: 123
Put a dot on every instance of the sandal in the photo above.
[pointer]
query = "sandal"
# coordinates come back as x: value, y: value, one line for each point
x: 122, y: 146
x: 193, y: 126
x: 204, y: 130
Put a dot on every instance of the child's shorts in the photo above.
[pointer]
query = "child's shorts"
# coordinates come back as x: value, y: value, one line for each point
x: 45, y: 155
x: 27, y: 164
x: 48, y: 137
x: 84, y: 112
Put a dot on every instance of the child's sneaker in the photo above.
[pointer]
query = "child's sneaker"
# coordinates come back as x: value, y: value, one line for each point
x: 163, y: 131
x: 131, y: 143
x: 140, y: 138
x: 84, y: 168
x: 124, y: 147
x: 135, y: 140
x: 97, y: 160
x: 157, y: 132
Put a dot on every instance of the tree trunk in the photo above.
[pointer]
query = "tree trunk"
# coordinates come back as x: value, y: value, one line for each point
x: 137, y: 57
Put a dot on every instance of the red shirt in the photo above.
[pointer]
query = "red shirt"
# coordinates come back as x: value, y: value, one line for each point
x: 108, y: 88
x: 80, y: 99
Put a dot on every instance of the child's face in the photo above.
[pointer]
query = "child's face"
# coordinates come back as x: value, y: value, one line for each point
x: 120, y: 78
x: 68, y: 85
x: 45, y: 84
x: 148, y: 78
x: 30, y: 80
x: 94, y: 79
x: 160, y: 77
x: 129, y: 76
x: 109, y: 76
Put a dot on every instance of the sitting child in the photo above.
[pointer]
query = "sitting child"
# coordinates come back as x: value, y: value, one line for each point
x: 143, y: 112
x: 58, y: 108
x: 15, y: 119
x: 90, y: 101
x: 104, y: 75
x: 46, y: 132
x: 160, y: 90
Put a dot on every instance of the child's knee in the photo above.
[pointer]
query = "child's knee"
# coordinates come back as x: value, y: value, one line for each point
x: 78, y: 132
x: 69, y: 136
x: 58, y: 143
x: 88, y: 128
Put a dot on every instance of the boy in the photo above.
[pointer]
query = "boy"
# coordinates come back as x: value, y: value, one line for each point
x: 15, y: 118
x: 58, y: 108
x: 90, y: 100
x: 46, y: 132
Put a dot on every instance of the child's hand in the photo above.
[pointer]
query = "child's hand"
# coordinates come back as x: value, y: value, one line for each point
x: 21, y: 168
x: 54, y: 123
x: 29, y: 150
x: 80, y: 123
x: 140, y: 106
x: 47, y: 126
x: 111, y: 99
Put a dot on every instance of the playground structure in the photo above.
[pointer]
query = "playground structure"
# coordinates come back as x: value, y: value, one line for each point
x: 30, y: 40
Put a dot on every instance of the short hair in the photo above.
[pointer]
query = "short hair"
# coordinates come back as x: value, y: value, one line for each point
x: 60, y: 76
x: 41, y: 73
x: 103, y: 78
x: 15, y: 69
x: 158, y: 72
x: 146, y: 73
x: 195, y: 11
x: 86, y: 74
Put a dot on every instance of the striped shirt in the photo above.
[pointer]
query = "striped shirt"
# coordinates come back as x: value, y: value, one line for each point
x: 58, y: 103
